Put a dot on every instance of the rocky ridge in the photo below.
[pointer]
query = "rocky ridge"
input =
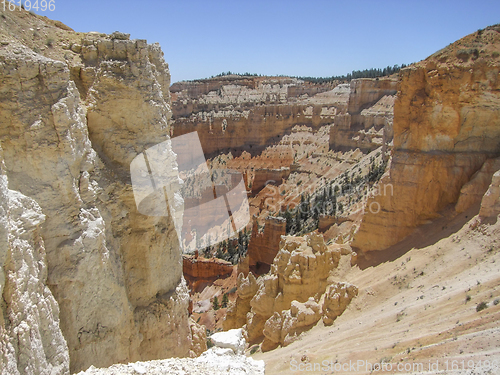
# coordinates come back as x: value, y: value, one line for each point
x: 445, y: 129
x: 236, y: 114
x: 226, y: 356
x: 291, y: 298
x: 95, y: 102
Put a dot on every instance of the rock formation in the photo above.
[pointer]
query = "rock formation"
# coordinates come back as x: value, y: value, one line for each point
x: 116, y: 274
x: 337, y: 298
x: 236, y: 315
x: 198, y: 338
x: 490, y: 204
x: 199, y: 270
x: 284, y: 327
x: 30, y: 335
x: 446, y: 119
x: 263, y: 247
x: 473, y: 191
x: 367, y: 122
x: 265, y: 176
x: 282, y: 304
x: 249, y: 113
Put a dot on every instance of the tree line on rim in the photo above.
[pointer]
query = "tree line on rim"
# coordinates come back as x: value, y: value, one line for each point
x: 355, y: 74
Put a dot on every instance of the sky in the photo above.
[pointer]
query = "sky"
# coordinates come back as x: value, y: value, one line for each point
x: 317, y: 38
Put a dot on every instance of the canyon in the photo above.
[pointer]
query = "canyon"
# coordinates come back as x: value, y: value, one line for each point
x: 374, y: 207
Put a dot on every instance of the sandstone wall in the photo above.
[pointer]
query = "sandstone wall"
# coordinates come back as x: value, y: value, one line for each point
x: 247, y: 114
x: 263, y: 247
x: 446, y: 119
x: 116, y: 274
x: 367, y: 123
x: 198, y: 270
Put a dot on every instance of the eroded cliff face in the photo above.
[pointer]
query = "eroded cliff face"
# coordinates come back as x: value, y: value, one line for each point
x: 31, y: 340
x: 446, y: 120
x: 198, y: 270
x: 69, y: 130
x: 367, y: 122
x: 291, y: 298
x: 236, y: 114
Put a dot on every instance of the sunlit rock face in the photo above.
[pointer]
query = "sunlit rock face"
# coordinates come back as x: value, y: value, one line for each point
x: 108, y: 283
x: 446, y: 119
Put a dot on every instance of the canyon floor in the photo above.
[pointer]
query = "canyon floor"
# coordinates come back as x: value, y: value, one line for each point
x: 420, y: 307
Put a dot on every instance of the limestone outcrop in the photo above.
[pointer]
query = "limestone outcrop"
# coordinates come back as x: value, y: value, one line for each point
x: 446, y: 119
x: 95, y: 101
x: 263, y: 247
x: 278, y: 306
x: 31, y: 340
x: 199, y: 270
x: 236, y: 114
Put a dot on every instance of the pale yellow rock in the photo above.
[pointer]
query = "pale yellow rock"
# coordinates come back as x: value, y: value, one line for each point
x: 446, y: 117
x: 472, y: 192
x: 236, y: 315
x: 296, y: 282
x: 490, y: 204
x: 31, y: 340
x: 284, y: 327
x: 198, y: 338
x: 337, y: 298
x: 115, y: 274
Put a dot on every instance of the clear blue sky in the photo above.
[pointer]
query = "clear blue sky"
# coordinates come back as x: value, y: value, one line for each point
x: 303, y: 38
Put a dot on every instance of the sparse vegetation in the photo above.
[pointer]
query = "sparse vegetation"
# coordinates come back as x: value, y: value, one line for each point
x: 481, y: 306
x: 225, y: 301
x: 254, y: 349
x: 215, y: 303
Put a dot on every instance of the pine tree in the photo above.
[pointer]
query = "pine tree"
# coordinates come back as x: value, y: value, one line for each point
x: 225, y: 300
x: 216, y: 303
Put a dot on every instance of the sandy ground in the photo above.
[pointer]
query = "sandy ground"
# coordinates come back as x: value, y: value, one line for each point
x: 416, y: 310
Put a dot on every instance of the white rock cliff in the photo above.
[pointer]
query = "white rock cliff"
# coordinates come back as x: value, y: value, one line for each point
x: 69, y: 228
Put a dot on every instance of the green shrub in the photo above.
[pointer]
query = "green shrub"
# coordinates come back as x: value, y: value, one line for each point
x: 216, y: 303
x: 481, y: 306
x: 225, y: 300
